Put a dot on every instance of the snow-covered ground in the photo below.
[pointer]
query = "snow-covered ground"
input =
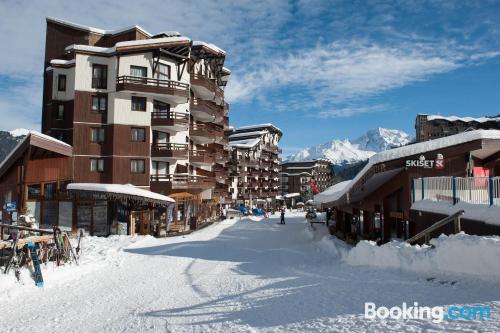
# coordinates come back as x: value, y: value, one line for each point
x: 248, y: 275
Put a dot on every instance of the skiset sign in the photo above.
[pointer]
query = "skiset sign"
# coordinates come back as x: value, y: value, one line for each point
x: 423, y: 163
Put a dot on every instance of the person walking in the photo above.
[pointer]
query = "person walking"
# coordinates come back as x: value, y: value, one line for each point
x: 282, y: 215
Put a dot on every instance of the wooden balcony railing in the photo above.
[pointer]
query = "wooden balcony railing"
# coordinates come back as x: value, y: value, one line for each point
x: 201, y: 156
x: 167, y: 149
x: 206, y: 130
x: 169, y: 119
x: 151, y: 85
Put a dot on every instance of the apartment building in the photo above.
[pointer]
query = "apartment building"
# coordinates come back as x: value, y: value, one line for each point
x: 429, y: 127
x: 306, y: 177
x: 142, y: 109
x: 255, y: 164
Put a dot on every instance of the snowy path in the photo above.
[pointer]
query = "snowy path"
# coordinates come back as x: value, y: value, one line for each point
x: 235, y: 276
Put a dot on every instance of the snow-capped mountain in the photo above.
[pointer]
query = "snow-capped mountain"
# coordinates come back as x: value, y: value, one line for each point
x: 342, y: 152
x: 8, y: 140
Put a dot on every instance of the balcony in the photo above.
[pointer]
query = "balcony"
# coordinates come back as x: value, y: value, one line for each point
x: 207, y: 88
x: 201, y: 157
x: 206, y: 111
x: 204, y: 133
x: 177, y: 92
x: 169, y: 150
x: 181, y: 182
x: 172, y: 121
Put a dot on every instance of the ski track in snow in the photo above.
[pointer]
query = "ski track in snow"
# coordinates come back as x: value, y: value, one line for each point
x: 234, y: 276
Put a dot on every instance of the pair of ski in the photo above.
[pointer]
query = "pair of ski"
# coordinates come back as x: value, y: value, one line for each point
x: 14, y: 261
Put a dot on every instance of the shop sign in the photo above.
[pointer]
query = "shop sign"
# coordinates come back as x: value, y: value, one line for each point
x: 10, y: 207
x: 438, y: 163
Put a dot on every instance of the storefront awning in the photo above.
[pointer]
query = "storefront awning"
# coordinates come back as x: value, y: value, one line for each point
x: 119, y: 191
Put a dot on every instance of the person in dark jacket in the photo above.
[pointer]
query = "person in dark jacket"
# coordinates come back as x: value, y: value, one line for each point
x: 282, y: 216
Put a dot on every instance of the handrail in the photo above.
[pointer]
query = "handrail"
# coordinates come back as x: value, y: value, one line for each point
x: 169, y: 146
x: 151, y: 82
x: 426, y: 232
x: 169, y: 115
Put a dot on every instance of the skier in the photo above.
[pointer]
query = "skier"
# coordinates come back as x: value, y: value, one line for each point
x: 282, y: 215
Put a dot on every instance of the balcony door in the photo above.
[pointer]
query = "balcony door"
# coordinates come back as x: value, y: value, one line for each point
x: 159, y: 169
x: 161, y: 107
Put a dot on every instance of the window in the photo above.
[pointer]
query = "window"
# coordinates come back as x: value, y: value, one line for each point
x: 49, y: 190
x: 163, y: 72
x: 61, y: 82
x: 99, y: 76
x: 160, y: 169
x: 138, y: 103
x: 138, y: 134
x: 99, y: 103
x: 96, y: 165
x: 60, y: 112
x: 137, y: 166
x: 97, y: 134
x: 160, y: 107
x: 138, y: 71
x: 34, y: 191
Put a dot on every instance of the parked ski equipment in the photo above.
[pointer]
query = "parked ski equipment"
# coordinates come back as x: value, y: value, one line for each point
x: 36, y: 265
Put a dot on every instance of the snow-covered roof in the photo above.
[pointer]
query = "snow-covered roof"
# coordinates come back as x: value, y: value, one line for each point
x: 153, y: 41
x: 96, y: 30
x: 292, y: 195
x: 128, y: 190
x: 62, y: 62
x: 213, y: 47
x: 248, y: 143
x: 236, y: 135
x: 169, y: 33
x: 332, y: 193
x: 19, y: 132
x: 257, y: 126
x: 296, y: 174
x: 420, y: 148
x: 463, y: 119
x: 88, y: 48
x: 226, y: 70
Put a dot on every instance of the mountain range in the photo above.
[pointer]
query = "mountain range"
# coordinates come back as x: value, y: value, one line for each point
x: 8, y: 140
x: 344, y: 153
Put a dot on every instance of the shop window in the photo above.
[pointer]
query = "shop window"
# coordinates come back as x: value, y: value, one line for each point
x: 49, y: 190
x: 34, y: 191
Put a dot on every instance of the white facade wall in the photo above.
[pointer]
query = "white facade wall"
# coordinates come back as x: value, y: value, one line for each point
x: 69, y: 93
x: 83, y: 71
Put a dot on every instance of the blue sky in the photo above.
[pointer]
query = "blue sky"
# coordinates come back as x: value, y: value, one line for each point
x: 317, y: 69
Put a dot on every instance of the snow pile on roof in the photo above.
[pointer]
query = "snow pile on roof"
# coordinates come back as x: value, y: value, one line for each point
x: 19, y: 132
x: 292, y: 195
x: 49, y: 138
x: 153, y: 41
x: 119, y: 189
x: 455, y: 254
x: 209, y: 45
x: 257, y: 126
x: 88, y: 48
x: 332, y: 193
x: 62, y: 62
x: 249, y: 143
x: 96, y: 30
x: 484, y: 213
x: 236, y: 135
x: 463, y: 119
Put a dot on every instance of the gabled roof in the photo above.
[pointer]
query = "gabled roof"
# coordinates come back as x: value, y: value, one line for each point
x: 39, y: 140
x: 96, y: 30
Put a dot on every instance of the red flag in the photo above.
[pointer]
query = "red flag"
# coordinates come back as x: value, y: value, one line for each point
x: 313, y: 186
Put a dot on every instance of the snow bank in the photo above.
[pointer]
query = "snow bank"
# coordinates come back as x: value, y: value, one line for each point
x: 456, y: 254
